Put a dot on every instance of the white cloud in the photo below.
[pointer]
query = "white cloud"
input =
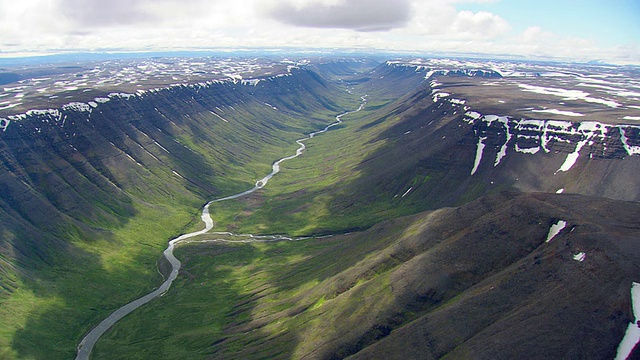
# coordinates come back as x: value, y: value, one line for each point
x: 479, y: 25
x: 535, y: 34
x: 360, y: 15
x: 440, y: 18
x: 421, y: 25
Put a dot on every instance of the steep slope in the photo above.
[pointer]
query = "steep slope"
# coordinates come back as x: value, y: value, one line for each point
x: 522, y: 297
x: 476, y: 281
x: 90, y: 192
x: 427, y: 148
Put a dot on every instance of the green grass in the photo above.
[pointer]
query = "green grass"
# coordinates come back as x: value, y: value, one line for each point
x: 231, y: 299
x: 271, y: 290
x: 47, y: 315
x: 307, y: 196
x: 50, y: 309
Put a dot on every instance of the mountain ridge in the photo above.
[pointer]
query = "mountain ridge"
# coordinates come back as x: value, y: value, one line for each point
x: 117, y: 177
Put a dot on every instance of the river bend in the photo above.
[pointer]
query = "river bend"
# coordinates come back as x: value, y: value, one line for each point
x: 86, y: 345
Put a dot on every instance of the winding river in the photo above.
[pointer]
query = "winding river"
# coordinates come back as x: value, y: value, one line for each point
x: 86, y: 345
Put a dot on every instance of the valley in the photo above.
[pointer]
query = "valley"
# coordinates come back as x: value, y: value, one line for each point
x: 420, y: 221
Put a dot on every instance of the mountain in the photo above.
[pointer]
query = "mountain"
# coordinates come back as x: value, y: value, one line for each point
x: 78, y: 181
x: 435, y: 202
x: 476, y: 281
x: 425, y: 142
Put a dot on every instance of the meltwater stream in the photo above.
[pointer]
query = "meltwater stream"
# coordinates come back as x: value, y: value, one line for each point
x: 86, y: 345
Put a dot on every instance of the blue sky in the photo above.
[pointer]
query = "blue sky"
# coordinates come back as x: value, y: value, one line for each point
x: 550, y: 29
x: 609, y: 22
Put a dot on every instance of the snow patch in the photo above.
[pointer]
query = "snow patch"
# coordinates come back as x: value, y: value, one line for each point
x: 568, y: 94
x: 219, y: 117
x: 558, y: 112
x: 555, y: 229
x: 632, y: 335
x: 572, y: 158
x: 634, y: 118
x: 631, y: 150
x: 579, y: 256
x: 77, y: 106
x: 473, y: 115
x: 4, y: 123
x: 503, y: 150
x: 250, y: 82
x: 177, y: 174
x: 439, y: 95
x: 560, y: 191
x: 479, y: 151
x: 10, y: 106
x: 532, y: 151
x: 121, y: 95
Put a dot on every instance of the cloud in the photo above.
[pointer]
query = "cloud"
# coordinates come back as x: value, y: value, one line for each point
x: 439, y: 18
x: 481, y: 24
x: 99, y: 13
x: 536, y: 34
x: 360, y: 15
x: 50, y: 26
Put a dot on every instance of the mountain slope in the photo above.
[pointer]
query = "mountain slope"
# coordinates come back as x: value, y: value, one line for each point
x: 90, y: 193
x: 475, y: 281
x: 426, y: 149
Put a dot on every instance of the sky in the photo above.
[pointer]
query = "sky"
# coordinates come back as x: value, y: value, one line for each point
x: 584, y: 30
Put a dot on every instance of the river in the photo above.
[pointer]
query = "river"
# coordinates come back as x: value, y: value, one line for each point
x: 86, y: 345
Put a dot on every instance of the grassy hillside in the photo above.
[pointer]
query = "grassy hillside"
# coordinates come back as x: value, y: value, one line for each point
x: 440, y: 283
x: 381, y: 163
x: 89, y: 206
x: 444, y: 283
x: 431, y: 285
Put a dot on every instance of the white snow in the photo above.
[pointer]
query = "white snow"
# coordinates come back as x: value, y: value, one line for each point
x: 568, y: 94
x: 101, y: 99
x: 439, y: 95
x: 220, y: 117
x: 503, y: 150
x: 579, y: 256
x: 473, y: 115
x: 558, y: 112
x: 479, y: 151
x: 631, y: 150
x: 555, y: 229
x: 10, y: 106
x: 533, y: 150
x: 120, y: 95
x: 635, y: 118
x: 177, y: 174
x: 77, y: 106
x: 560, y: 191
x: 572, y: 158
x: 632, y: 335
x: 161, y: 147
x: 251, y: 82
x: 4, y: 123
x: 406, y: 192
